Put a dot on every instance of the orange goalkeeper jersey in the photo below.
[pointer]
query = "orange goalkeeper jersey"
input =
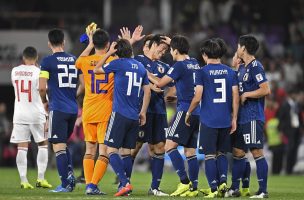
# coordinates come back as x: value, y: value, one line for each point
x: 97, y: 104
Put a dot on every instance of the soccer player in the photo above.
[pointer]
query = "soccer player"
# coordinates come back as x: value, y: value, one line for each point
x: 253, y: 87
x: 59, y: 76
x: 235, y: 175
x: 154, y: 131
x: 129, y: 77
x: 97, y: 108
x: 29, y: 118
x: 217, y: 91
x: 180, y: 134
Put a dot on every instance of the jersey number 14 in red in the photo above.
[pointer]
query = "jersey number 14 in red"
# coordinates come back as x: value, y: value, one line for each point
x: 23, y: 90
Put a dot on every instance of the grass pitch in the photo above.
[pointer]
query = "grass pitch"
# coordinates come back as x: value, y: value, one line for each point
x: 280, y: 187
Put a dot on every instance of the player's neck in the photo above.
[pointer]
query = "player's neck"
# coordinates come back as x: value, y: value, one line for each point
x: 29, y: 62
x: 149, y: 55
x: 182, y: 57
x: 248, y: 59
x: 57, y: 49
x: 213, y: 61
x: 100, y: 51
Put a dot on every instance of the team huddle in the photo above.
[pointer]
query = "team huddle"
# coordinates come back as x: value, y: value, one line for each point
x: 220, y: 109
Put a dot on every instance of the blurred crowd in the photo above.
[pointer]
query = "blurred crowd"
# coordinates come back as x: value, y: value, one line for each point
x: 280, y: 31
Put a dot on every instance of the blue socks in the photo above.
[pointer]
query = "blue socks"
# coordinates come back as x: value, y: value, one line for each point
x: 262, y: 173
x: 118, y: 167
x: 70, y: 164
x: 222, y: 166
x: 178, y: 164
x: 211, y: 171
x: 246, y: 175
x: 193, y: 170
x: 157, y: 168
x: 128, y: 164
x: 62, y: 166
x: 238, y: 168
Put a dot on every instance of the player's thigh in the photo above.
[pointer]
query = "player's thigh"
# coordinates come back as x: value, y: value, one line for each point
x: 237, y: 140
x: 159, y: 127
x: 116, y: 131
x: 224, y: 140
x: 71, y: 123
x: 129, y: 141
x: 253, y: 134
x: 90, y: 131
x: 194, y: 130
x: 38, y: 133
x: 145, y: 131
x: 21, y: 133
x: 101, y: 131
x: 58, y: 127
x: 179, y: 132
x: 207, y: 139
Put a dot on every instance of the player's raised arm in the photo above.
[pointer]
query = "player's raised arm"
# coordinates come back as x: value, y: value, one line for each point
x: 98, y: 68
x: 88, y: 36
x: 194, y: 103
x: 80, y: 89
x: 136, y: 35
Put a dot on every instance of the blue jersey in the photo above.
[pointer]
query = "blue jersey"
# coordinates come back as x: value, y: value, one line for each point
x: 216, y: 104
x: 250, y: 78
x: 157, y: 103
x: 183, y: 73
x: 129, y: 76
x: 62, y: 76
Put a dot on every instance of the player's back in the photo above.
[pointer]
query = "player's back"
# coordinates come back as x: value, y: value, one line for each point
x: 216, y: 104
x: 128, y: 79
x: 28, y: 105
x: 183, y: 74
x: 97, y: 105
x: 62, y: 83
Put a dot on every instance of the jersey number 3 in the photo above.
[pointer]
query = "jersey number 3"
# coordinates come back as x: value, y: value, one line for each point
x: 221, y: 90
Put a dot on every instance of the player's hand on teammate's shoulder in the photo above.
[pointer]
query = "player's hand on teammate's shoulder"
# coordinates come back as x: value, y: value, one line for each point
x: 142, y: 118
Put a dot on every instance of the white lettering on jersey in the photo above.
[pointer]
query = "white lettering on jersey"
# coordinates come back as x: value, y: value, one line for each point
x: 218, y: 72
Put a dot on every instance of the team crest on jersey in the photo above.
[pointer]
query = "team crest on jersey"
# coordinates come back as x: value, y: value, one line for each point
x: 141, y: 134
x: 259, y: 77
x: 161, y: 69
x: 245, y: 78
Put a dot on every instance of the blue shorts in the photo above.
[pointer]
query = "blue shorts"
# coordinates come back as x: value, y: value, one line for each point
x: 249, y: 136
x: 61, y: 126
x: 154, y: 131
x: 182, y: 134
x: 121, y: 132
x: 213, y: 140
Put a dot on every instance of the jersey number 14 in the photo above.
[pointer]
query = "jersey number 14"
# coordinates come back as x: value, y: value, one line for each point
x: 21, y: 89
x: 133, y: 82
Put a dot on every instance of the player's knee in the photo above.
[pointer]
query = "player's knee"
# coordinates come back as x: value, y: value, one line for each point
x: 102, y: 149
x: 59, y: 147
x: 111, y: 150
x: 89, y: 156
x: 23, y: 145
x: 159, y: 148
x: 257, y: 152
x: 43, y: 143
x: 238, y: 153
x: 170, y: 145
x: 189, y: 152
x: 125, y: 151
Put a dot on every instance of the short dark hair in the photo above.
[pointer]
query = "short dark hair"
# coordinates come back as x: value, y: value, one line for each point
x: 56, y: 37
x: 223, y: 46
x: 100, y: 39
x: 180, y: 43
x: 211, y: 48
x: 250, y: 42
x: 148, y: 38
x: 30, y: 53
x: 156, y: 39
x: 124, y: 49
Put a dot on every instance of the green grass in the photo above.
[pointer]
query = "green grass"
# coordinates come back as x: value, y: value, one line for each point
x: 280, y: 187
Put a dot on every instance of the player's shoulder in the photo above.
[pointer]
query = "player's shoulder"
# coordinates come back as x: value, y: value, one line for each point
x: 256, y: 64
x: 159, y: 62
